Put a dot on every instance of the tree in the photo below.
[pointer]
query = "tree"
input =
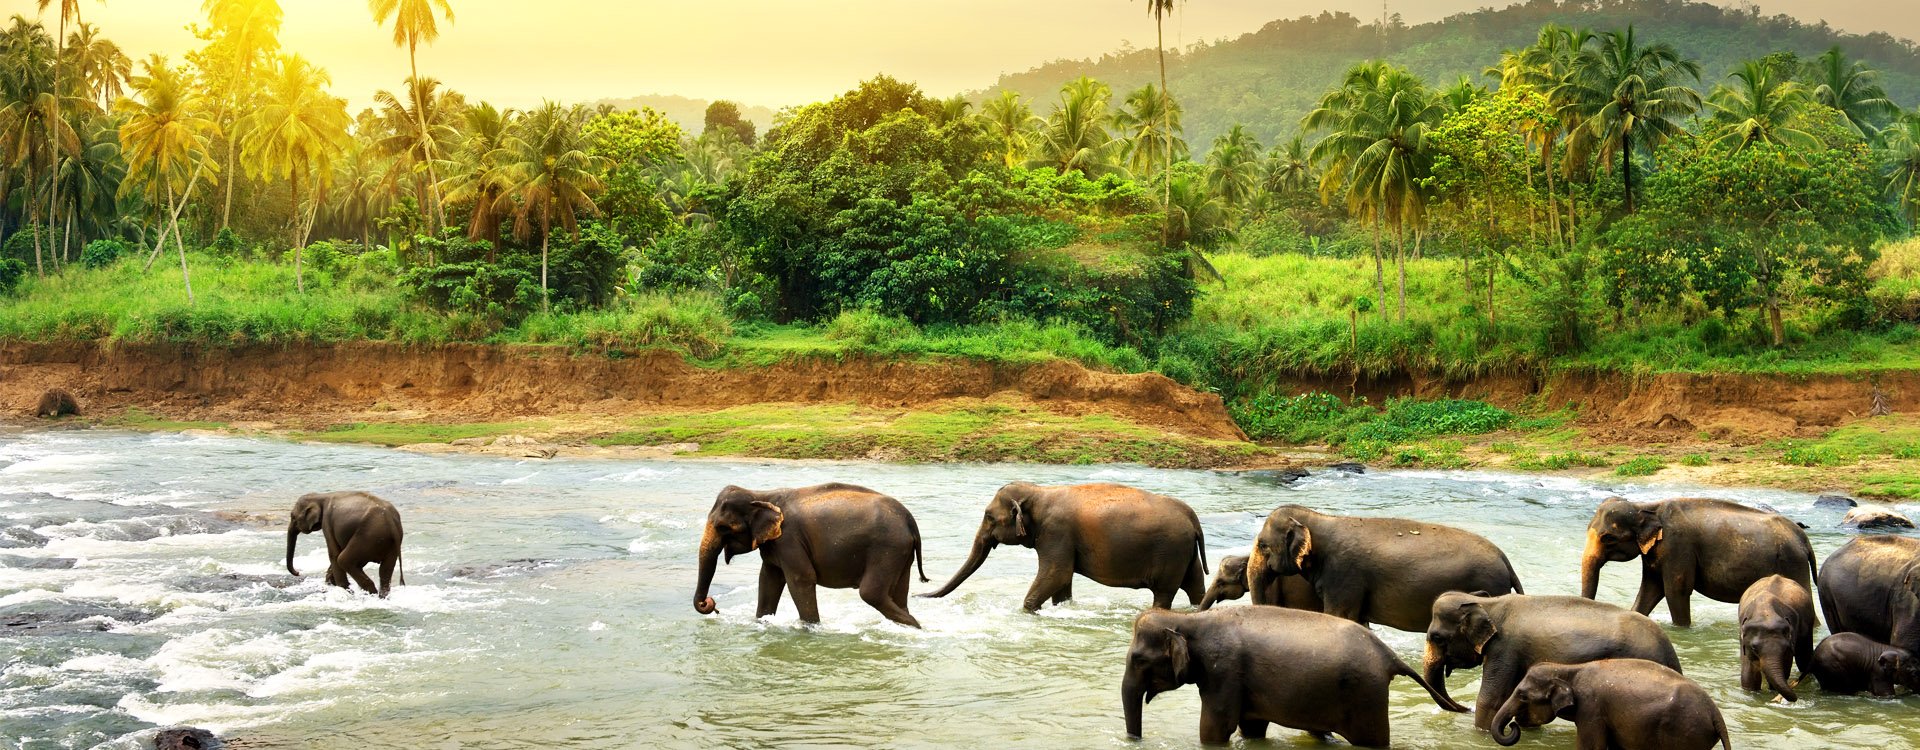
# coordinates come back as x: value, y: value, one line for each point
x: 724, y: 116
x: 297, y: 134
x: 413, y: 24
x: 418, y: 130
x: 1289, y: 168
x: 1623, y: 96
x: 475, y: 177
x: 1760, y: 106
x: 1146, y: 113
x: 165, y: 140
x: 1481, y: 173
x: 1159, y: 9
x: 1851, y: 87
x: 1233, y: 167
x: 1012, y: 123
x: 245, y: 34
x: 33, y: 134
x: 1901, y: 165
x: 1074, y: 137
x: 69, y: 9
x: 546, y: 158
x: 98, y: 63
x: 635, y: 145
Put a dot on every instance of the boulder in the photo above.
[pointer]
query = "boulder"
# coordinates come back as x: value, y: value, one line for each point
x: 1834, y: 502
x: 36, y: 563
x: 56, y: 403
x: 185, y: 738
x: 1875, y: 518
x: 1275, y: 476
x: 1348, y: 467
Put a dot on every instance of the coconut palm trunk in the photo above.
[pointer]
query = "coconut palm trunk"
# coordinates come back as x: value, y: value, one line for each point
x: 1166, y: 125
x: 299, y: 275
x: 185, y: 277
x: 426, y: 139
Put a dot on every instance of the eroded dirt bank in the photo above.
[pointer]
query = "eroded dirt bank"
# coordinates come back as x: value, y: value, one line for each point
x: 327, y: 383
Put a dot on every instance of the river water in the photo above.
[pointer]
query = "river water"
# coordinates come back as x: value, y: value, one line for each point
x: 549, y: 605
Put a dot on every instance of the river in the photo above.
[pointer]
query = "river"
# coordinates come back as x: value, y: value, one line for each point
x: 549, y: 605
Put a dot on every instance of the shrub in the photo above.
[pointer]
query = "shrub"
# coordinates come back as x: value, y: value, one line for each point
x: 1447, y: 416
x: 102, y: 253
x: 322, y: 256
x: 1811, y: 455
x: 1695, y: 459
x: 691, y: 322
x: 12, y: 272
x: 1640, y: 467
x: 867, y: 329
x: 684, y: 258
x: 1306, y: 418
x: 227, y: 244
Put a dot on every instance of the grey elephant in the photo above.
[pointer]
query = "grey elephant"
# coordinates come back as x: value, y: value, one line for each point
x: 359, y: 529
x: 1615, y: 704
x: 839, y: 536
x: 1230, y: 583
x: 1686, y: 545
x: 1776, y: 632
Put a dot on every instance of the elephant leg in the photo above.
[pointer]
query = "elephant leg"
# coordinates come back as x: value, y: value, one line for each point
x: 1374, y: 734
x: 1065, y: 593
x: 1497, y: 681
x: 1163, y: 598
x: 1253, y: 729
x: 901, y: 586
x: 876, y: 589
x: 1651, y: 591
x: 1680, y: 599
x: 1055, y: 573
x: 358, y: 571
x: 1195, y: 584
x: 773, y: 581
x: 334, y: 576
x: 1803, y: 652
x: 1216, y: 726
x: 1749, y: 673
x: 802, y: 589
x: 386, y: 578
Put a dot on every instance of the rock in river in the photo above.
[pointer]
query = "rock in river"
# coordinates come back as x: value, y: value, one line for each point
x: 1875, y: 518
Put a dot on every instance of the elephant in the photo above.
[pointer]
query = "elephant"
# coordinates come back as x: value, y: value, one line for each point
x: 1373, y: 570
x: 1715, y: 547
x: 1871, y: 586
x: 1259, y: 665
x: 1849, y: 663
x: 1116, y: 535
x: 840, y: 536
x: 359, y: 529
x: 1509, y: 634
x: 1776, y: 627
x: 1623, y: 704
x: 1230, y: 583
x: 56, y: 403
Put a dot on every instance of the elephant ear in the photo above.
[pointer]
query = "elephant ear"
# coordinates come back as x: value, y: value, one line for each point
x: 766, y: 522
x: 1651, y: 531
x: 1561, y: 696
x: 1479, y: 627
x: 1177, y: 654
x: 1019, y: 517
x: 1306, y: 546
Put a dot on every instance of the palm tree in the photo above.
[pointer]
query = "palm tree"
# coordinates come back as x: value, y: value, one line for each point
x: 1197, y: 219
x: 1289, y: 167
x: 359, y: 194
x: 69, y: 9
x: 1624, y: 95
x: 1141, y: 121
x: 89, y: 183
x: 547, y: 160
x: 952, y: 109
x: 474, y: 176
x: 1375, y: 152
x: 1160, y: 9
x: 298, y: 133
x: 98, y: 63
x: 1759, y: 107
x: 414, y: 23
x: 1012, y: 123
x: 246, y: 33
x: 1544, y: 68
x: 1852, y: 88
x: 1233, y: 167
x: 1902, y: 170
x: 1074, y: 137
x: 418, y: 130
x: 33, y: 133
x: 165, y: 139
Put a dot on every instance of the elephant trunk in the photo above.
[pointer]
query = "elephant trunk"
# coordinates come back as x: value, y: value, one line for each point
x: 1590, y: 567
x: 709, y: 557
x: 982, y: 544
x: 1774, y: 665
x: 1133, y: 695
x: 1435, y: 667
x: 1258, y: 578
x: 1506, y: 727
x: 1213, y: 595
x: 293, y: 540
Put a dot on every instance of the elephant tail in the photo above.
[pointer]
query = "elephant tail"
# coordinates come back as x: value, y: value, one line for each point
x: 1720, y: 723
x: 1200, y: 543
x: 399, y: 566
x: 918, y: 556
x: 1445, y: 702
x: 1512, y: 577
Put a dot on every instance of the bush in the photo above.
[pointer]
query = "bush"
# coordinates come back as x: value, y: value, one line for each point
x: 102, y: 253
x: 1306, y: 418
x: 1812, y: 455
x: 1640, y: 467
x: 227, y: 244
x: 19, y: 245
x: 684, y: 258
x: 1695, y: 459
x: 12, y: 272
x: 322, y: 256
x: 868, y: 329
x: 584, y: 272
x: 694, y: 323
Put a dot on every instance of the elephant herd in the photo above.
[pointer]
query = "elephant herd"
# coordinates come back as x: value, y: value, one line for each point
x: 1303, y: 656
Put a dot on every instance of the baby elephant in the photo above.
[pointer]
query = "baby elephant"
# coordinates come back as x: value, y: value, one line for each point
x: 1629, y: 704
x: 1849, y: 663
x: 1776, y: 631
x: 1230, y: 583
x: 1254, y: 665
x: 359, y: 529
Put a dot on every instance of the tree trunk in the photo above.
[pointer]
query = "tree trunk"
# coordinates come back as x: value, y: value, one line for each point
x: 33, y: 223
x: 1553, y: 199
x: 546, y: 233
x: 438, y: 218
x: 53, y: 180
x: 1400, y: 263
x: 1166, y: 127
x: 299, y: 277
x: 185, y: 277
x: 1379, y: 266
x: 1626, y: 169
x: 1773, y: 322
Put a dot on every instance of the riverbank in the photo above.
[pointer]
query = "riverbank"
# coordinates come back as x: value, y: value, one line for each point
x: 1807, y: 433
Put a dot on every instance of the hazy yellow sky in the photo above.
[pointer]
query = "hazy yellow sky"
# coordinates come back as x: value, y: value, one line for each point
x: 771, y: 52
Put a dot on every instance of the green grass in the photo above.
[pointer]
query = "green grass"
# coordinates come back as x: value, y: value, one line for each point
x: 1640, y: 466
x: 1898, y: 486
x: 1559, y: 461
x: 409, y: 433
x: 1695, y: 459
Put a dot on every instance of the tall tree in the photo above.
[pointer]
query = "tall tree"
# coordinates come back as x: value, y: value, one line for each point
x: 1625, y: 95
x: 69, y: 9
x: 33, y: 134
x: 297, y: 134
x: 1075, y: 137
x: 418, y: 127
x: 547, y: 159
x: 165, y: 140
x: 1233, y: 167
x: 98, y: 63
x: 1142, y: 122
x: 1011, y: 122
x: 476, y: 176
x: 1759, y: 106
x: 1289, y: 167
x: 1851, y: 87
x: 414, y: 23
x: 1901, y: 165
x: 244, y: 34
x: 1160, y: 9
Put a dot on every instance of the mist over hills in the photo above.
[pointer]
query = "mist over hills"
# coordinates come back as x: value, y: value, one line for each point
x: 1270, y: 78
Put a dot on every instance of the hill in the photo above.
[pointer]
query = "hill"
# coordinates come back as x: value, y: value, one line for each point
x: 1270, y: 78
x: 689, y: 113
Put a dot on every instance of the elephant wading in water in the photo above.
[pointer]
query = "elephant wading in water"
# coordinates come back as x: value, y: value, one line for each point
x: 359, y: 529
x: 1848, y: 663
x: 1116, y: 535
x: 1230, y: 583
x: 1871, y: 586
x: 1776, y: 632
x: 1715, y: 547
x: 1373, y: 570
x: 1260, y: 665
x: 835, y: 535
x: 1509, y: 634
x: 1630, y: 704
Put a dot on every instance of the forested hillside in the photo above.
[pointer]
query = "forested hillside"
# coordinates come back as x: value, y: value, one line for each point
x: 1271, y: 78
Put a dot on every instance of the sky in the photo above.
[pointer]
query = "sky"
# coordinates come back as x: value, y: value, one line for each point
x: 768, y: 52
